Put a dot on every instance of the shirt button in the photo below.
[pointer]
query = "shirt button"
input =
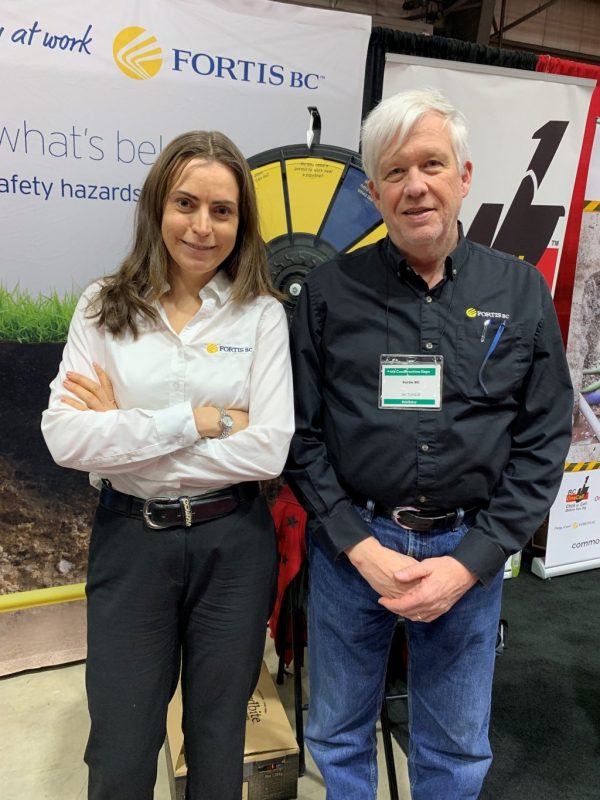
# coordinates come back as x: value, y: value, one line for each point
x: 428, y: 346
x: 422, y: 498
x: 428, y: 299
x: 424, y: 448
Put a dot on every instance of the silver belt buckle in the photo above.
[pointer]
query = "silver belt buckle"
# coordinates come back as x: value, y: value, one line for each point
x: 157, y: 526
x: 398, y: 510
x: 185, y: 504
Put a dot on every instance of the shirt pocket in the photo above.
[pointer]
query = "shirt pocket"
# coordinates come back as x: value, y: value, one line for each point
x: 225, y: 371
x: 496, y: 377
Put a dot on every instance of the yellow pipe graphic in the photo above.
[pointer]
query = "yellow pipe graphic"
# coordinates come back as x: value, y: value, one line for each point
x: 42, y: 597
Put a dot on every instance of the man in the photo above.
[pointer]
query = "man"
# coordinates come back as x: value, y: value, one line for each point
x: 433, y: 414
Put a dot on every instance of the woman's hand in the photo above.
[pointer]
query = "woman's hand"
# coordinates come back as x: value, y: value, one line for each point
x: 208, y: 424
x: 93, y: 396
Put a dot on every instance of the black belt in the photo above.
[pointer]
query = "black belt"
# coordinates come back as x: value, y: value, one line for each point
x: 163, y: 512
x: 420, y: 520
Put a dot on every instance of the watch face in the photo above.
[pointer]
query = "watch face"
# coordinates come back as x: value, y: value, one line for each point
x: 226, y: 421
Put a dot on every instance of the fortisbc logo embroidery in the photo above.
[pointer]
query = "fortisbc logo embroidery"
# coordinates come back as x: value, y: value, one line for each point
x: 472, y: 313
x: 224, y: 348
x: 137, y: 53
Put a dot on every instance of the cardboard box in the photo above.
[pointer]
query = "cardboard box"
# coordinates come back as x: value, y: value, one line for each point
x: 270, y: 753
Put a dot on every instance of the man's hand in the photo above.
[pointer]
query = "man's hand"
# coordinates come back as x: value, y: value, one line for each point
x: 94, y: 395
x: 434, y: 586
x: 378, y: 565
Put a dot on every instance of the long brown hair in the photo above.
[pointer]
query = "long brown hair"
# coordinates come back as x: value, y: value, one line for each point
x: 130, y: 293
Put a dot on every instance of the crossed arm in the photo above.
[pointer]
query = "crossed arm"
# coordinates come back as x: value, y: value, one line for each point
x: 99, y: 396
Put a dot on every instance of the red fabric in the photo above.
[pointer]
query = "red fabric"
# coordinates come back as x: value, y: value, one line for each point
x: 290, y: 524
x: 563, y: 294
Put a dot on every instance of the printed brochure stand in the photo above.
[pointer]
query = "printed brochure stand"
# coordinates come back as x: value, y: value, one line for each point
x: 574, y: 524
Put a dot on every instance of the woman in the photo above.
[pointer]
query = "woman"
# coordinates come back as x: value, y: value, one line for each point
x: 175, y: 394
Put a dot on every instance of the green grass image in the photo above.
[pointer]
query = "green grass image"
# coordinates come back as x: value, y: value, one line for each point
x: 24, y: 318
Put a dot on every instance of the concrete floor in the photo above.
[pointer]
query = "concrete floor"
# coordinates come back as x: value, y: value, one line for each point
x: 43, y: 731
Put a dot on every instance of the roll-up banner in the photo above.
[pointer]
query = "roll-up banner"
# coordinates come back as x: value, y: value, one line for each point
x: 526, y: 130
x: 92, y: 92
x: 573, y: 541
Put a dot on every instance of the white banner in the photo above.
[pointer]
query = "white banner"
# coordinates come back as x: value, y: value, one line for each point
x: 92, y: 92
x: 526, y: 133
x: 574, y: 524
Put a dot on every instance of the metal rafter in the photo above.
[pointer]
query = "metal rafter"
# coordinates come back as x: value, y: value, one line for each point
x: 459, y: 4
x: 504, y: 28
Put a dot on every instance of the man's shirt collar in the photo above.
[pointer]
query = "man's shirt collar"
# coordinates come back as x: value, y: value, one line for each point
x: 454, y: 261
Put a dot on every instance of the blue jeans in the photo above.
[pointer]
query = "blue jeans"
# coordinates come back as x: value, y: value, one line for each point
x: 450, y: 670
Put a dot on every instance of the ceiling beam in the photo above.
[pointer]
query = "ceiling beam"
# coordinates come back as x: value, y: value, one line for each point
x: 502, y: 30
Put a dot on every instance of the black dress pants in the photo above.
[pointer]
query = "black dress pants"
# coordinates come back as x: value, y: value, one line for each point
x: 199, y: 597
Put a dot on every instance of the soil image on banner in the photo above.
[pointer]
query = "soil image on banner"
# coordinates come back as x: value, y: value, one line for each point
x: 45, y: 511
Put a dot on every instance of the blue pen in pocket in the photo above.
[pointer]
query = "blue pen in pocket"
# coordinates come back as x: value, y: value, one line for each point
x: 491, y: 348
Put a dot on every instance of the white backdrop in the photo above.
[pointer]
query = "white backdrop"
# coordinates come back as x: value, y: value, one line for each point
x: 505, y: 108
x: 92, y: 91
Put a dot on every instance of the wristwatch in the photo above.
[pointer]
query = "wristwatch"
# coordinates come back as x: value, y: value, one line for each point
x: 226, y: 423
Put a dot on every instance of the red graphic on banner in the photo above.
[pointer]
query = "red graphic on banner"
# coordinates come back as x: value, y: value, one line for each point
x: 577, y: 495
x: 547, y: 265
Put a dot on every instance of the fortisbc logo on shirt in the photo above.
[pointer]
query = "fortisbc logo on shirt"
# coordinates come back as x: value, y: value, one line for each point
x: 472, y: 313
x: 211, y: 347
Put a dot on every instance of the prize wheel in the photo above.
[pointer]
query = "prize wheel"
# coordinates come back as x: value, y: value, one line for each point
x: 312, y: 204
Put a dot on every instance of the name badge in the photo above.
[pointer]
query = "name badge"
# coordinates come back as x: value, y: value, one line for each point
x: 410, y: 383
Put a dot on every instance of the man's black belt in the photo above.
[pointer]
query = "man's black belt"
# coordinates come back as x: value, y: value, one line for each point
x: 164, y: 512
x: 421, y: 520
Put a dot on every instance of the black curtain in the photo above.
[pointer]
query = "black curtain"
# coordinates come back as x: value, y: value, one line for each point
x: 387, y: 40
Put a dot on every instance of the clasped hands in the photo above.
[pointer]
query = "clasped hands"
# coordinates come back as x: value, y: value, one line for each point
x: 419, y: 590
x: 99, y: 396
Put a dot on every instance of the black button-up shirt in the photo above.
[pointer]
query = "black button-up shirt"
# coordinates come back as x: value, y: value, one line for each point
x: 499, y: 441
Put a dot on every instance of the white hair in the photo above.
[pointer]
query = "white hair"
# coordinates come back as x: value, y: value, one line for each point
x: 397, y: 115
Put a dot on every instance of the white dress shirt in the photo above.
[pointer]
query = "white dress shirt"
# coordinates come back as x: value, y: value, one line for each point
x: 229, y: 354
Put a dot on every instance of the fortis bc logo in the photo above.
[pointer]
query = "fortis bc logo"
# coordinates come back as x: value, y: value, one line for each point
x: 137, y: 53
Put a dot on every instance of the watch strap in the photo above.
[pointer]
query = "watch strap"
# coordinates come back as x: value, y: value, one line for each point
x: 225, y: 421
